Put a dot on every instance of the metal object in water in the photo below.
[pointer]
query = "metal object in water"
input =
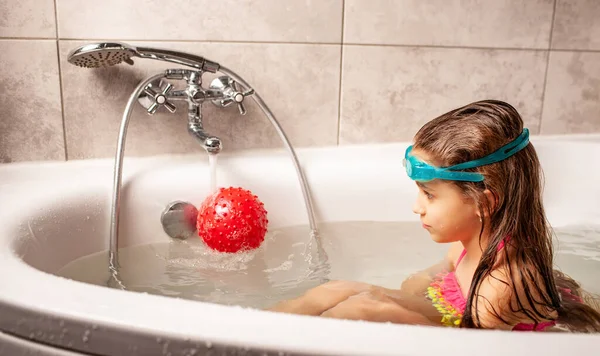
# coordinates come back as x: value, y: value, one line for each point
x: 179, y: 220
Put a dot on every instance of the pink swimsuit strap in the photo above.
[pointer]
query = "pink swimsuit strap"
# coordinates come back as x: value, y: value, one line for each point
x: 464, y: 252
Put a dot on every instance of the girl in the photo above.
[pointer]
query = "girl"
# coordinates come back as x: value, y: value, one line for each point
x: 480, y: 190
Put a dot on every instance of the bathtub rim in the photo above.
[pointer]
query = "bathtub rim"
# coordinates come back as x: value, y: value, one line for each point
x: 353, y: 338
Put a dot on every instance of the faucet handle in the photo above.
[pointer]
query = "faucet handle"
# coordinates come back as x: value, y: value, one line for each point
x: 238, y: 97
x: 159, y: 98
x: 231, y: 93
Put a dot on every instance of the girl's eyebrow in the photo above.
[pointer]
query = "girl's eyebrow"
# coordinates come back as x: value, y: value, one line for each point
x: 424, y: 186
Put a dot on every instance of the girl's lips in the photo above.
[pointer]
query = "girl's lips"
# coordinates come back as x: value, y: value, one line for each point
x: 425, y: 226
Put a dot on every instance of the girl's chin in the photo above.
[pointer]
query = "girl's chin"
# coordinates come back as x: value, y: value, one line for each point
x: 437, y: 238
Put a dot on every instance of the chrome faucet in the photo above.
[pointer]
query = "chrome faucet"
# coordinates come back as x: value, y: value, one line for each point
x: 154, y: 92
x: 223, y: 91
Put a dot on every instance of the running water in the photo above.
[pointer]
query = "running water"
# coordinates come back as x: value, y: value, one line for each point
x: 212, y: 162
x: 114, y: 279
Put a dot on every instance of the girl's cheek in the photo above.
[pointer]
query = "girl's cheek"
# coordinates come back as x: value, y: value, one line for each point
x: 433, y: 216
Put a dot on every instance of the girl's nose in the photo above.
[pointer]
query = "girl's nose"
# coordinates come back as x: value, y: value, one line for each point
x: 417, y: 208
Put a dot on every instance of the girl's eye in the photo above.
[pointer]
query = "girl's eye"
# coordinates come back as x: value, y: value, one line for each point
x: 427, y: 194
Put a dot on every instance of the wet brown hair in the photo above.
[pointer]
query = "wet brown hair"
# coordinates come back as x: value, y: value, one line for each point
x: 474, y: 131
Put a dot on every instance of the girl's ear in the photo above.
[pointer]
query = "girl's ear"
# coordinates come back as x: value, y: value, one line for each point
x: 492, y: 201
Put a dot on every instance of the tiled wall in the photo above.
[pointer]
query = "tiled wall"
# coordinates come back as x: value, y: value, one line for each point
x: 333, y: 71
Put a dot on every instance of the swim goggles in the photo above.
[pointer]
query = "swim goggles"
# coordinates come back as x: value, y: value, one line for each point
x: 418, y: 170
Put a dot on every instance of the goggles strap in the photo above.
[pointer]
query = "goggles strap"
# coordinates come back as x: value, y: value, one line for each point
x: 499, y: 155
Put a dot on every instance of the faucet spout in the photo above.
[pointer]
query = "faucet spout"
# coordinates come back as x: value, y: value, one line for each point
x: 211, y: 144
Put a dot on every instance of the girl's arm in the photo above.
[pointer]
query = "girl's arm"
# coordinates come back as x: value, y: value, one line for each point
x: 408, y: 305
x: 319, y: 299
x: 411, y: 296
x: 376, y: 305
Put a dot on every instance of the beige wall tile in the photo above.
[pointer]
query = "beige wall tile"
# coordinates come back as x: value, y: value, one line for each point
x: 27, y: 18
x: 300, y: 83
x: 389, y: 93
x: 30, y: 116
x: 227, y: 20
x: 572, y: 101
x: 577, y: 24
x: 498, y: 23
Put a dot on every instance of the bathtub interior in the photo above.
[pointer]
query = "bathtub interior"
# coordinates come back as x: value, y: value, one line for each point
x: 72, y: 220
x: 351, y: 185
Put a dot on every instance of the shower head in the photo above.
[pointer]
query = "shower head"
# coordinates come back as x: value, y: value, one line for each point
x: 105, y: 54
x: 98, y: 55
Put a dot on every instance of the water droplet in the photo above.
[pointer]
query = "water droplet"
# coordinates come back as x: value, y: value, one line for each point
x: 86, y: 336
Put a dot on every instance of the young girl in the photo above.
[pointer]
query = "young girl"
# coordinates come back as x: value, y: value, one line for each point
x: 480, y: 190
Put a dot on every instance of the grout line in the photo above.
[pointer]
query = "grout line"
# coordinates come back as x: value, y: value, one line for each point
x: 575, y: 50
x: 321, y: 44
x: 62, y: 101
x: 474, y: 47
x: 547, y: 68
x: 552, y: 25
x: 339, y: 123
x: 198, y: 41
x: 445, y: 47
x: 56, y: 20
x: 60, y: 84
x: 304, y: 43
x: 525, y: 49
x: 27, y: 38
x: 541, y: 119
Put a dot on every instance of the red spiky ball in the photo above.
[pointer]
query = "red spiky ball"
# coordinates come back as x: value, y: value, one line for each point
x: 231, y: 220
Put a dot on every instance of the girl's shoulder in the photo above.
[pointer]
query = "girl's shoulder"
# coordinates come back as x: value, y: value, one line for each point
x: 502, y: 302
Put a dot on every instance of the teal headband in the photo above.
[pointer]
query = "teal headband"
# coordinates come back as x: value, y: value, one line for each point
x: 418, y: 170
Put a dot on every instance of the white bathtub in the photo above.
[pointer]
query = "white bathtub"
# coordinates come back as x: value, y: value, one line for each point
x: 54, y: 213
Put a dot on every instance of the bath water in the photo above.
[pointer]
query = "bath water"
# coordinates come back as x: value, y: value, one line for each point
x: 382, y: 253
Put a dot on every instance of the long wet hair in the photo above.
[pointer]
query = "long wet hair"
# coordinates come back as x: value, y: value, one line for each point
x: 539, y: 292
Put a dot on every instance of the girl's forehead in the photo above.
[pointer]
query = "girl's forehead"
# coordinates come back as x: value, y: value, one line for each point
x: 424, y: 156
x: 420, y: 154
x: 436, y: 184
x: 428, y: 158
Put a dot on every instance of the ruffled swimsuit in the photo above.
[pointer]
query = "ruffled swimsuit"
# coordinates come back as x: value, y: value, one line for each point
x: 447, y: 298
